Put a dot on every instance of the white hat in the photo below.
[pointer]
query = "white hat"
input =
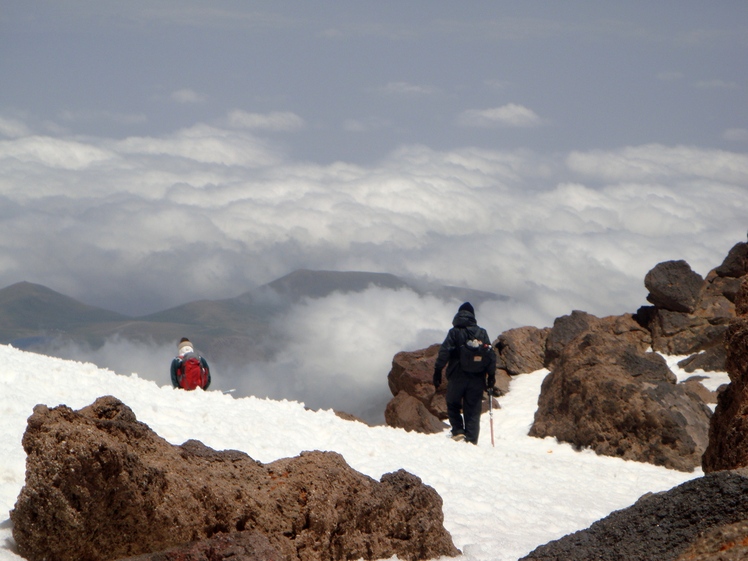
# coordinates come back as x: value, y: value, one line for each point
x: 184, y: 346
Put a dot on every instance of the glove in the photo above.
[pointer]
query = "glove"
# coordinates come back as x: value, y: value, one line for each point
x: 493, y: 391
x: 437, y: 378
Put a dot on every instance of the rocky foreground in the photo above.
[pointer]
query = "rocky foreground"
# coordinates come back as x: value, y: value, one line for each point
x: 101, y: 485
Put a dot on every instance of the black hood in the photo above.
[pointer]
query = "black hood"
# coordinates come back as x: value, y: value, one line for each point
x: 464, y: 318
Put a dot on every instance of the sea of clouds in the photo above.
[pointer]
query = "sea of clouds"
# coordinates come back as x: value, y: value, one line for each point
x: 143, y: 223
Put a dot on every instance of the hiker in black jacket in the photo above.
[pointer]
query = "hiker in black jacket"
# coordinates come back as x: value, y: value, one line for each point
x: 465, y: 389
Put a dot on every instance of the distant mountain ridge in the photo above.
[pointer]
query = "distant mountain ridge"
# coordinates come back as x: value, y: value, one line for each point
x: 26, y: 309
x: 34, y: 317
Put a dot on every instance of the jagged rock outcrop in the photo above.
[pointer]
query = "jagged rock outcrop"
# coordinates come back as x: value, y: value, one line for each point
x: 703, y: 519
x: 607, y: 394
x: 567, y: 328
x: 735, y: 265
x: 101, y: 485
x: 728, y: 432
x: 689, y: 316
x: 674, y: 286
x: 687, y: 321
x: 416, y: 406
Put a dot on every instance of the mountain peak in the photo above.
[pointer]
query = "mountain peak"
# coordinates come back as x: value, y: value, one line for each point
x: 36, y: 308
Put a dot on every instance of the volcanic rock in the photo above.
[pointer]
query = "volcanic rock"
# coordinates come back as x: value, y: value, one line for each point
x: 717, y: 296
x: 687, y: 321
x: 101, y: 485
x: 728, y: 432
x: 522, y: 350
x: 411, y: 380
x: 237, y: 546
x: 741, y: 299
x: 736, y: 263
x: 706, y: 513
x: 693, y: 385
x: 412, y: 372
x: 721, y: 543
x: 711, y: 360
x: 567, y: 328
x: 676, y: 333
x: 674, y: 286
x: 606, y: 394
x: 406, y: 412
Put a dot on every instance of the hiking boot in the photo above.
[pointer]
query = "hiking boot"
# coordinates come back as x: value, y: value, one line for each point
x: 459, y: 437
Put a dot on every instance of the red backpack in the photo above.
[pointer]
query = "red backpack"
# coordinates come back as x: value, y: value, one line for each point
x: 192, y: 374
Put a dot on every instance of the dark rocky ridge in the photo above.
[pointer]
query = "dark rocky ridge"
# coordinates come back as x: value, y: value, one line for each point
x: 662, y: 526
x: 38, y: 319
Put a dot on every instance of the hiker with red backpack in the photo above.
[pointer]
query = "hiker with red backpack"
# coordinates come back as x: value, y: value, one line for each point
x: 471, y: 370
x: 188, y: 369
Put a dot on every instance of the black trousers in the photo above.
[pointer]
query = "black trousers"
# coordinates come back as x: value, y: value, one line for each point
x: 464, y: 403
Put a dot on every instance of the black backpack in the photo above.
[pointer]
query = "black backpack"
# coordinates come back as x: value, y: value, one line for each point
x: 474, y: 354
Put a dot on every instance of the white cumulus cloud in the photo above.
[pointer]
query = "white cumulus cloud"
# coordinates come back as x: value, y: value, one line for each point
x: 186, y: 95
x: 13, y: 128
x: 274, y: 121
x: 510, y: 115
x: 112, y: 221
x: 406, y: 89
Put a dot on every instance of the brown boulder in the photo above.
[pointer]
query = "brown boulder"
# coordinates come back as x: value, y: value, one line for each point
x: 237, y: 546
x: 685, y: 320
x: 717, y: 297
x: 522, y: 350
x: 608, y: 395
x: 101, y: 485
x: 412, y: 372
x: 676, y: 333
x: 567, y: 328
x: 728, y: 432
x: 736, y: 262
x: 406, y: 412
x: 674, y: 286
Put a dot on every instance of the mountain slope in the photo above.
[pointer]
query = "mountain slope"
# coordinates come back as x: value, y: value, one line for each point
x: 318, y: 284
x: 36, y: 318
x: 29, y: 310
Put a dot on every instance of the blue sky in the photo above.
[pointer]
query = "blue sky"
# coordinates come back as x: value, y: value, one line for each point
x: 573, y: 145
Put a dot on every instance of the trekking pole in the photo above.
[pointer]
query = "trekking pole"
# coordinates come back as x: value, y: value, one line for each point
x: 490, y: 415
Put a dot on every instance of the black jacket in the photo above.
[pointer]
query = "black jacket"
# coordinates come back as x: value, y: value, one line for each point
x: 464, y: 328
